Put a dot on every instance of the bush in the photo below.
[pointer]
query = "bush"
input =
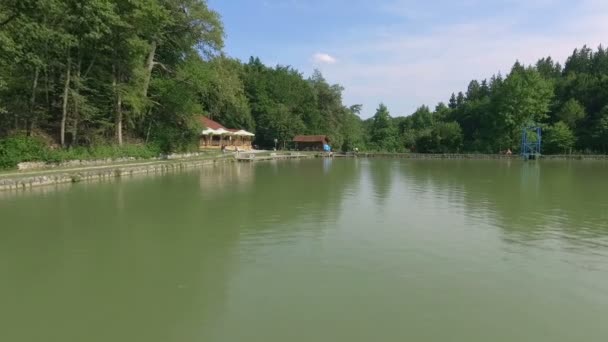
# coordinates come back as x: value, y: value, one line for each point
x: 103, y: 152
x: 444, y: 137
x: 18, y: 149
x: 558, y: 139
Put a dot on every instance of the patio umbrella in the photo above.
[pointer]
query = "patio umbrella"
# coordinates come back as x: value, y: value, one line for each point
x: 209, y: 131
x: 244, y: 133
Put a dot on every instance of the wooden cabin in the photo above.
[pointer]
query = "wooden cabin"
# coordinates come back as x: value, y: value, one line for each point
x: 215, y: 135
x: 310, y: 142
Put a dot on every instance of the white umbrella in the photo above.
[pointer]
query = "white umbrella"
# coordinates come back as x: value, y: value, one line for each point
x: 209, y: 131
x: 222, y: 131
x: 244, y: 133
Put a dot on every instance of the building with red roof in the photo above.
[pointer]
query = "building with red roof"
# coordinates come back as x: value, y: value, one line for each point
x: 311, y: 142
x: 215, y: 136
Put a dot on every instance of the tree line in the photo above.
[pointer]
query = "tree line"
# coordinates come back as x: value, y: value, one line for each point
x: 569, y: 103
x: 85, y: 73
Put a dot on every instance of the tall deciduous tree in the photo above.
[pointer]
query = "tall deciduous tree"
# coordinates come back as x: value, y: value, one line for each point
x: 383, y: 132
x: 558, y: 138
x: 571, y: 113
x: 524, y: 98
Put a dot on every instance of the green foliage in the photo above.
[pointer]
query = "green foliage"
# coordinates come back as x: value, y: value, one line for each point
x: 284, y: 104
x: 103, y: 152
x: 383, y: 132
x: 558, y: 138
x: 84, y: 69
x: 93, y: 71
x: 449, y: 136
x: 493, y: 112
x: 352, y: 129
x: 600, y: 131
x: 548, y: 69
x: 524, y: 98
x: 280, y: 98
x: 444, y: 137
x: 17, y: 149
x: 422, y: 118
x: 223, y: 93
x: 2, y: 87
x: 571, y: 112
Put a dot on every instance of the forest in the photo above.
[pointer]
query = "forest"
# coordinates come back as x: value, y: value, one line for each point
x: 92, y: 78
x: 569, y: 103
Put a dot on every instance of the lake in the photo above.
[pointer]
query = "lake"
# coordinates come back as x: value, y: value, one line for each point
x: 312, y: 250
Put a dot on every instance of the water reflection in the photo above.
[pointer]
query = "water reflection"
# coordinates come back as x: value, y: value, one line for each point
x: 151, y: 259
x: 216, y: 253
x: 527, y: 200
x: 226, y: 176
x: 327, y: 164
x: 381, y: 176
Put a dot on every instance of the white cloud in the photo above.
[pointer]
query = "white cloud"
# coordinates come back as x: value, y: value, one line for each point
x: 406, y: 69
x: 323, y: 58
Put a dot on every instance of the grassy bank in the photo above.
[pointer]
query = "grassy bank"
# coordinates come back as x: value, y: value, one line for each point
x: 18, y: 149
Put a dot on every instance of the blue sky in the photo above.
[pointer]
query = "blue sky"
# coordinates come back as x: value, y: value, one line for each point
x: 407, y: 53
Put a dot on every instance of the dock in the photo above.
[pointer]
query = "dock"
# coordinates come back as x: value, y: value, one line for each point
x: 255, y: 157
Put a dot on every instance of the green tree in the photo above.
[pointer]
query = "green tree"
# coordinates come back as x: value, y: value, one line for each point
x: 352, y: 129
x: 524, y: 98
x: 548, y: 69
x: 571, y: 113
x: 558, y: 138
x: 453, y: 103
x: 281, y: 101
x: 460, y: 99
x: 600, y: 131
x: 383, y: 133
x: 449, y: 136
x: 443, y: 137
x: 422, y: 118
x: 169, y: 28
x: 474, y: 91
x: 222, y: 91
x: 442, y: 112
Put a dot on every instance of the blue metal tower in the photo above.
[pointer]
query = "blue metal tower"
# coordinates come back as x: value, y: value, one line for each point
x: 531, y: 148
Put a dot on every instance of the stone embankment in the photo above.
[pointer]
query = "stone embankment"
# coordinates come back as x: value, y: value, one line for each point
x: 27, y: 166
x: 30, y: 175
x: 39, y: 174
x: 30, y: 179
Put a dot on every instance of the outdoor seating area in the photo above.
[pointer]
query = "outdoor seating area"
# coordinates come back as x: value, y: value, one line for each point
x: 215, y: 135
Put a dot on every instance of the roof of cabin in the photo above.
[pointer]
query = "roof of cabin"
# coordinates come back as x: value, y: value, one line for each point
x: 208, y: 123
x: 311, y: 138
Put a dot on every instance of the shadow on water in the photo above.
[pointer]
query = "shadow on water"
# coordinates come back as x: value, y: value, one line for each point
x: 528, y: 201
x: 151, y: 258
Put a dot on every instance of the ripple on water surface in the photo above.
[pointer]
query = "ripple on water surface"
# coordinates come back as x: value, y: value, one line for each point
x: 318, y: 250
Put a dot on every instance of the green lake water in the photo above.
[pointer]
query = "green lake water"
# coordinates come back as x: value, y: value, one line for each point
x: 312, y: 250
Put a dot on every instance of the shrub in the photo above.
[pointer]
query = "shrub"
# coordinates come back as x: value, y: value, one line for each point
x: 18, y: 149
x: 558, y: 138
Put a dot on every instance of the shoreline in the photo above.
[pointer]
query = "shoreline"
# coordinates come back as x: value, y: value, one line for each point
x: 21, y: 180
x: 469, y: 156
